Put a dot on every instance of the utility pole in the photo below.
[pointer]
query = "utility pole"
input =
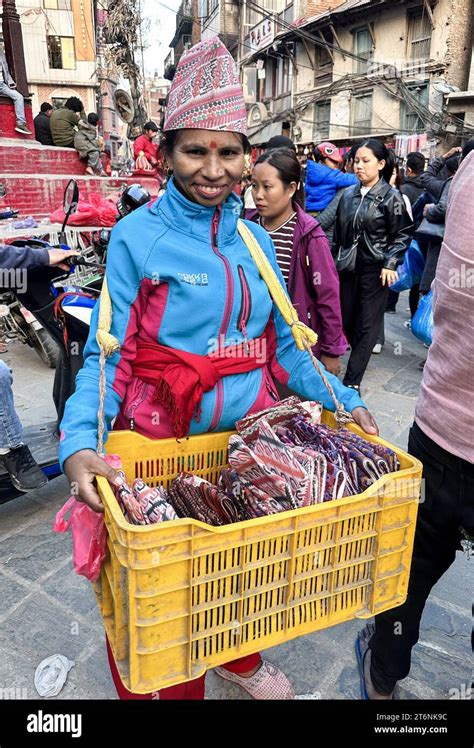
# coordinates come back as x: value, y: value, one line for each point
x: 140, y: 36
x: 13, y: 40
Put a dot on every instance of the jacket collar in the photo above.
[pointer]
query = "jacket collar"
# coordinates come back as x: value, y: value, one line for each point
x: 194, y: 219
x: 379, y: 190
x: 305, y: 223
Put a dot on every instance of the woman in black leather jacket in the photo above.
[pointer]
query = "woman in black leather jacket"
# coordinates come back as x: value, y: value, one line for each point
x: 372, y: 215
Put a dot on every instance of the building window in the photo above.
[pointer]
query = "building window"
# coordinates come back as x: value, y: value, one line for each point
x: 61, y: 53
x: 324, y: 64
x: 363, y: 47
x: 266, y: 85
x: 322, y: 115
x: 284, y: 76
x: 254, y: 17
x: 361, y: 114
x: 249, y: 84
x: 206, y: 8
x: 114, y: 120
x: 410, y: 121
x: 57, y: 4
x: 419, y: 35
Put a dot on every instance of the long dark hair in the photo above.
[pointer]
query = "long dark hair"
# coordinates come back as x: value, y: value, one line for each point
x: 284, y: 160
x: 381, y: 153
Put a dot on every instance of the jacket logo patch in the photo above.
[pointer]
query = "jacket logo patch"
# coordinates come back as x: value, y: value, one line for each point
x: 195, y: 279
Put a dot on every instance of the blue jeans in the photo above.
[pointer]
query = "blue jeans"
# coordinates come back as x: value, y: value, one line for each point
x: 11, y: 431
x: 18, y: 101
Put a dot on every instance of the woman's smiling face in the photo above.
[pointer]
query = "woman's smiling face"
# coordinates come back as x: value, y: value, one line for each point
x: 207, y: 164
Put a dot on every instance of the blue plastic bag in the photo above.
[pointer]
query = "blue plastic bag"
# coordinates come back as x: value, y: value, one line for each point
x: 411, y: 269
x: 422, y: 322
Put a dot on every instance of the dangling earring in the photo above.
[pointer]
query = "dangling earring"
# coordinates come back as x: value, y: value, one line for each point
x: 247, y: 165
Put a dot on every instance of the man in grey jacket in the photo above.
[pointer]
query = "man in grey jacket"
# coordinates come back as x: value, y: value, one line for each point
x: 15, y: 457
x: 440, y: 169
x: 8, y: 88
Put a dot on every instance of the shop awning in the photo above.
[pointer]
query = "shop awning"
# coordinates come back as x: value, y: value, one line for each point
x: 365, y: 136
x: 261, y: 135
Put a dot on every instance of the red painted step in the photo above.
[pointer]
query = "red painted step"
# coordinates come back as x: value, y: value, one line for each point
x: 8, y: 121
x: 40, y: 195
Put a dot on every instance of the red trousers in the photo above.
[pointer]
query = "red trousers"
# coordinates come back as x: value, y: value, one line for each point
x: 193, y: 689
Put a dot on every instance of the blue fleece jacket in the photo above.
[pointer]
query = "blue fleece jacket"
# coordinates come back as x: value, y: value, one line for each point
x: 193, y: 260
x: 322, y: 183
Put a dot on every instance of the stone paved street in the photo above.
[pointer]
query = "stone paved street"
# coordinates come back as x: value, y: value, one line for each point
x: 45, y: 608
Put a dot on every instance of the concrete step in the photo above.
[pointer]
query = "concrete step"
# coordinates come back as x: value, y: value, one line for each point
x: 38, y: 195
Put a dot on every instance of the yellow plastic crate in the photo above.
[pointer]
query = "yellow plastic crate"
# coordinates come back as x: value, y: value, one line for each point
x: 180, y: 597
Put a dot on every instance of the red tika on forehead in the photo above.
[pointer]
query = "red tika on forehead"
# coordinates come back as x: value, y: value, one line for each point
x: 213, y: 144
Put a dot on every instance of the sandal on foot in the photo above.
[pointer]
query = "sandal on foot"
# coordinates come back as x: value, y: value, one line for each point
x: 267, y: 683
x: 364, y: 656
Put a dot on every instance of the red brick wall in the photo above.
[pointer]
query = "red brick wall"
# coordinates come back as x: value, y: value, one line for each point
x: 8, y: 120
x: 39, y: 196
x: 84, y: 93
x: 315, y: 7
x: 40, y: 159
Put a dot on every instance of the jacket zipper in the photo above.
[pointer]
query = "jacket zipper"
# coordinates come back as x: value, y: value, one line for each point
x: 227, y: 315
x: 130, y: 412
x: 267, y: 378
x: 245, y: 308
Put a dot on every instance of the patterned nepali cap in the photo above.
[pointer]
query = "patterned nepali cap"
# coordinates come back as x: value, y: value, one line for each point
x: 206, y: 93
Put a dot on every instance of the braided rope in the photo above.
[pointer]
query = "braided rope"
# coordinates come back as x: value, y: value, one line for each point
x: 108, y: 345
x: 100, y: 412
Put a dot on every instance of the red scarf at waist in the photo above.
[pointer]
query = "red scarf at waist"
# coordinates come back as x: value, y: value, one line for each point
x: 181, y: 378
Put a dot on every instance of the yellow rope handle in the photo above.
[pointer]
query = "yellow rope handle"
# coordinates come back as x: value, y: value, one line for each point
x: 304, y: 337
x: 106, y: 341
x: 108, y: 345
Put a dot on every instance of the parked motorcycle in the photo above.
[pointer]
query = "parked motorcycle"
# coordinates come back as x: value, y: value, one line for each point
x: 17, y: 322
x: 64, y: 308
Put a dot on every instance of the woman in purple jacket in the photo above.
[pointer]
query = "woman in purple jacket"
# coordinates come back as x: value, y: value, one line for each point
x: 302, y: 249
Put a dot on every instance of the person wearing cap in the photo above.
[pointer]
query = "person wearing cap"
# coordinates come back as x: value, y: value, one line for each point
x: 146, y: 150
x: 323, y: 178
x: 184, y: 290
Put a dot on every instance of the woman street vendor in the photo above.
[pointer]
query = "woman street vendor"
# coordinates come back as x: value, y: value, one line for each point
x: 192, y: 314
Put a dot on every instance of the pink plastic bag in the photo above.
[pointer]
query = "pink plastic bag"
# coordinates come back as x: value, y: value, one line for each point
x: 88, y: 536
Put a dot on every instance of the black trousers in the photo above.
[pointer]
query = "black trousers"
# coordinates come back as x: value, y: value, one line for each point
x: 448, y: 505
x: 363, y: 303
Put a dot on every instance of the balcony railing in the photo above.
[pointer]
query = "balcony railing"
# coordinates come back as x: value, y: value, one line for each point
x: 169, y: 59
x: 185, y: 13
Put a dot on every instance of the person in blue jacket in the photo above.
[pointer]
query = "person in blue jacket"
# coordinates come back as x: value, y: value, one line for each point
x: 323, y: 178
x: 182, y: 281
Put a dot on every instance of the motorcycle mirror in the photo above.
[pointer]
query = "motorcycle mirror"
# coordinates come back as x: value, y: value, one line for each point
x: 70, y: 201
x: 71, y: 197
